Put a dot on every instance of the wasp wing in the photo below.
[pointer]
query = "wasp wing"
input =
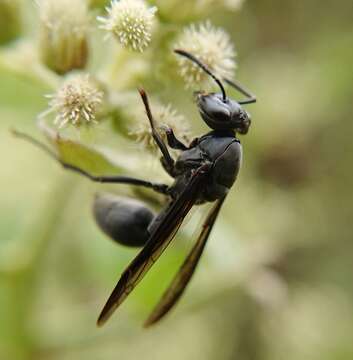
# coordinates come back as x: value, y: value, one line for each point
x: 159, y: 240
x: 182, y: 278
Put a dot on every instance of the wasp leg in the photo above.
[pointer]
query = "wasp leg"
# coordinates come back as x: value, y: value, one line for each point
x: 160, y: 188
x: 124, y: 220
x: 173, y: 142
x: 167, y: 161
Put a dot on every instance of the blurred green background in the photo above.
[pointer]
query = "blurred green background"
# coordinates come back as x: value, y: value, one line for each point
x: 275, y: 281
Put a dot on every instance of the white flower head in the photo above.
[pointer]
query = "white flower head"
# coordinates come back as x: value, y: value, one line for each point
x: 212, y: 46
x: 76, y: 102
x: 165, y: 116
x: 63, y: 34
x: 130, y: 22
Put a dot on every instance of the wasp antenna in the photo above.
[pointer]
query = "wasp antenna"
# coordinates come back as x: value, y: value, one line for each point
x: 237, y: 86
x: 204, y: 68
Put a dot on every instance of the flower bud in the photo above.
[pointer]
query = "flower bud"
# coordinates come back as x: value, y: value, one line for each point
x: 77, y: 101
x: 130, y: 22
x: 63, y: 34
x: 212, y: 46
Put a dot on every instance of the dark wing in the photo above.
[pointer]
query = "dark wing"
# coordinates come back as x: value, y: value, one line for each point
x: 182, y: 278
x: 159, y: 240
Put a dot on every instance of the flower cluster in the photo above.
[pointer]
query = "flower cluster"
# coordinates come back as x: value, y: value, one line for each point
x: 64, y: 46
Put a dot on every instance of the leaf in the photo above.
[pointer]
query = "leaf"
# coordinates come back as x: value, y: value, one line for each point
x: 83, y: 156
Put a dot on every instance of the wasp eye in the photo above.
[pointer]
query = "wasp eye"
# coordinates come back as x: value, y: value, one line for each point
x: 213, y: 109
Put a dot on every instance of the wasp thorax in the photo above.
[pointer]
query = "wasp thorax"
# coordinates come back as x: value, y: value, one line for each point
x: 222, y: 114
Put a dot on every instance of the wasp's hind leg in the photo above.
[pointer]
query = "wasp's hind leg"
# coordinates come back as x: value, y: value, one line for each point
x: 124, y: 220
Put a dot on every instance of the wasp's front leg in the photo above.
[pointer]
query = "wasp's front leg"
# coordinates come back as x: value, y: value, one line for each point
x: 173, y: 141
x: 166, y: 157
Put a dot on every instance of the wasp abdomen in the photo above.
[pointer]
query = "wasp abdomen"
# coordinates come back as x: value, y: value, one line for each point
x: 124, y: 220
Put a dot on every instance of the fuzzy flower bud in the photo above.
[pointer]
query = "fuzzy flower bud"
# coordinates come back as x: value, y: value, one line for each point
x: 212, y: 46
x: 63, y: 34
x: 130, y: 22
x: 165, y: 117
x: 76, y: 102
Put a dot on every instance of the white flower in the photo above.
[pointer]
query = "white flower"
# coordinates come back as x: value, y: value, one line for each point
x: 164, y: 116
x: 63, y: 34
x: 212, y: 46
x: 131, y: 23
x: 76, y: 102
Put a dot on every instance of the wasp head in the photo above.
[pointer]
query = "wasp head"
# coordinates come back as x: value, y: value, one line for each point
x: 216, y: 109
x: 222, y: 114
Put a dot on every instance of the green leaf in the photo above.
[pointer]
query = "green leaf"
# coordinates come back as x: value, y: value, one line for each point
x: 83, y: 156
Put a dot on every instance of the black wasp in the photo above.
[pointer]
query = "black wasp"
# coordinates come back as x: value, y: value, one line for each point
x: 204, y: 172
